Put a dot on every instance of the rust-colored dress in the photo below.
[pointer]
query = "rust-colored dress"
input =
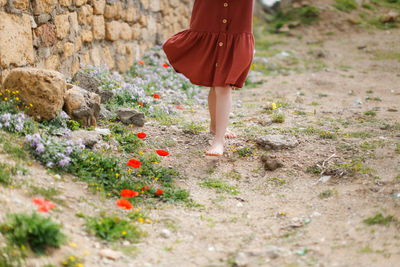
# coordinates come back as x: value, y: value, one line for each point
x: 217, y: 49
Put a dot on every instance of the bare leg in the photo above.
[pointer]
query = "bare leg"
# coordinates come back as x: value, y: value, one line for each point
x: 223, y: 97
x: 212, y: 109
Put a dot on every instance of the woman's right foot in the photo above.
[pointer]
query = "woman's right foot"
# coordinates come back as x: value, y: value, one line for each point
x: 217, y: 149
x: 228, y: 134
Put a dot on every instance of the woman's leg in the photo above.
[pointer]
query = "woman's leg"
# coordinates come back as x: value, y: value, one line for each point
x: 223, y: 100
x: 211, y: 108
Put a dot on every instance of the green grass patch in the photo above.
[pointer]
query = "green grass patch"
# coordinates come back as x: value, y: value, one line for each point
x: 32, y: 231
x: 219, y: 186
x: 193, y: 128
x: 345, y: 5
x: 278, y: 117
x: 113, y: 228
x: 303, y: 15
x: 379, y: 219
x: 15, y: 151
x: 245, y: 151
x: 326, y: 194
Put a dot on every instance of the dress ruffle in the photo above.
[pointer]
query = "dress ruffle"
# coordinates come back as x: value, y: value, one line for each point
x: 199, y: 56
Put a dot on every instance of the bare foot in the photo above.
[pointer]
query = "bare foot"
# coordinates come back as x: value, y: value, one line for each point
x: 217, y: 149
x: 228, y: 134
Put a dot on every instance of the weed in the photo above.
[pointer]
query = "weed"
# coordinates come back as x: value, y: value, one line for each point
x: 16, y: 151
x: 326, y: 194
x: 219, y: 186
x: 322, y: 95
x: 193, y: 128
x: 112, y: 228
x: 345, y: 5
x: 33, y: 231
x: 379, y: 219
x: 245, y: 152
x: 5, y: 174
x: 397, y: 148
x: 278, y: 117
x: 233, y: 174
x: 72, y: 261
x: 358, y: 135
x: 327, y: 135
x: 10, y: 256
x: 315, y: 103
x: 370, y: 113
x: 306, y: 15
x: 277, y: 181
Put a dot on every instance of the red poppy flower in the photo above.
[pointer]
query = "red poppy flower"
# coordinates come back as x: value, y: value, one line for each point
x: 165, y: 65
x: 141, y: 135
x: 141, y: 62
x: 145, y: 188
x: 159, y: 192
x: 162, y: 153
x: 43, y: 205
x: 156, y: 96
x: 129, y: 193
x: 141, y: 104
x: 179, y: 107
x: 134, y: 163
x: 123, y: 203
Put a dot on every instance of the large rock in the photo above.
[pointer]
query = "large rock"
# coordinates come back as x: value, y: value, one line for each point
x: 130, y: 116
x: 92, y: 84
x: 82, y: 105
x: 43, y: 89
x: 277, y: 141
x: 16, y: 44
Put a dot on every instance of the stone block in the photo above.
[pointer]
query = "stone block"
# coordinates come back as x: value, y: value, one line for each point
x: 125, y: 32
x: 16, y: 44
x: 107, y: 56
x: 66, y: 3
x: 113, y: 30
x: 46, y: 34
x: 80, y: 2
x: 85, y: 15
x: 98, y: 27
x: 62, y: 26
x: 21, y: 4
x: 43, y: 6
x: 87, y: 36
x: 99, y: 6
x: 52, y: 62
x: 68, y: 49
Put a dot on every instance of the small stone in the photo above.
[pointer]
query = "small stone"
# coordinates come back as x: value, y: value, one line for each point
x: 241, y: 259
x: 391, y: 16
x: 103, y: 132
x: 277, y: 141
x: 392, y: 110
x: 110, y: 254
x: 89, y: 138
x: 270, y: 164
x: 165, y: 233
x: 131, y: 116
x: 105, y: 114
x: 92, y: 84
x: 325, y: 179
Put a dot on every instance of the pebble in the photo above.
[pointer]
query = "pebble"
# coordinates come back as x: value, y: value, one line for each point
x: 165, y: 233
x: 110, y: 254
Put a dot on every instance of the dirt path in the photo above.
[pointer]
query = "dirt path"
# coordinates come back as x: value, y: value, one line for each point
x: 275, y: 218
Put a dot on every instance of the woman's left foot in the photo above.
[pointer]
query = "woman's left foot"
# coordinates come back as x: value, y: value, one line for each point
x: 216, y: 150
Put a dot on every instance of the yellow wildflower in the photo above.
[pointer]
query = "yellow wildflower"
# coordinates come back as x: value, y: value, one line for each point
x: 5, y: 99
x: 71, y: 258
x: 273, y: 106
x: 116, y: 175
x: 72, y: 244
x: 123, y: 233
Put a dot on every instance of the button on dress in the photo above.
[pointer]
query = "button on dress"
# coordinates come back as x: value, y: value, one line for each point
x: 217, y: 49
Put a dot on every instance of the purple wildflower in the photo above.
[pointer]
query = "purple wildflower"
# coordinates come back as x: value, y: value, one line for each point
x: 40, y: 148
x: 65, y: 161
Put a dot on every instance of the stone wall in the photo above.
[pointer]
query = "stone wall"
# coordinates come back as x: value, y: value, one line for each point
x: 63, y: 34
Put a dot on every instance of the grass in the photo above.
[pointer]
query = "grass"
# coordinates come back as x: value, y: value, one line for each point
x: 193, y: 128
x: 278, y: 117
x: 15, y: 151
x: 245, y: 152
x: 5, y: 174
x: 397, y: 149
x: 32, y: 231
x: 113, y: 228
x: 379, y: 219
x: 219, y: 186
x: 326, y: 194
x: 346, y: 5
x: 304, y: 15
